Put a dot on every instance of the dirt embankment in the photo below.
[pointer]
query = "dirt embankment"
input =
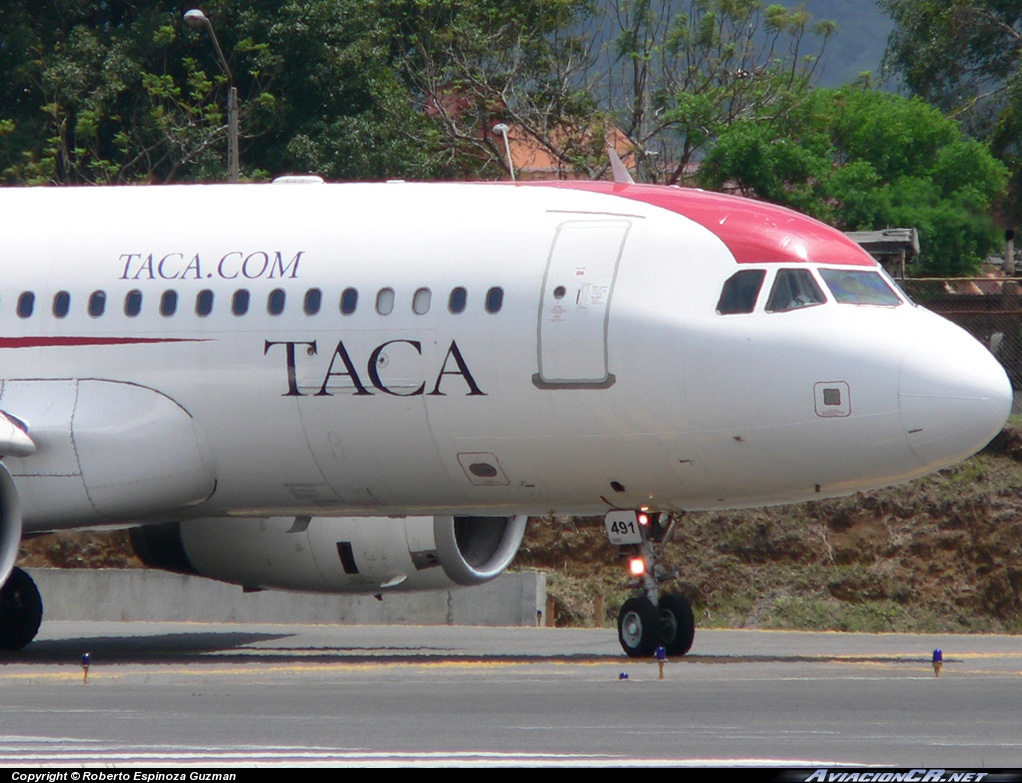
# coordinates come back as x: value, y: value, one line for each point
x: 940, y: 554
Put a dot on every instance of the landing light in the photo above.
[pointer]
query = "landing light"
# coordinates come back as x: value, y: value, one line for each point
x: 637, y: 566
x: 643, y: 519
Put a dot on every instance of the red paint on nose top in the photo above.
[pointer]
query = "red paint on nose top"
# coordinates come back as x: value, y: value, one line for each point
x: 754, y: 231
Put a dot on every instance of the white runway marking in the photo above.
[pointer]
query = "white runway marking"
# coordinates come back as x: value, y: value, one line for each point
x: 65, y: 752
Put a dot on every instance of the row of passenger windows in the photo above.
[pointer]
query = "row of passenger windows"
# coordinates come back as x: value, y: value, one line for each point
x: 797, y: 288
x: 241, y: 300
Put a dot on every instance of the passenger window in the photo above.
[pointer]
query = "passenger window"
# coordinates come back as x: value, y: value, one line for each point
x: 97, y: 303
x: 457, y: 301
x: 239, y: 302
x: 421, y: 301
x: 61, y: 304
x: 275, y: 301
x: 168, y: 303
x: 385, y: 301
x: 793, y: 289
x: 204, y: 303
x: 494, y: 299
x: 26, y: 304
x: 741, y: 292
x: 349, y: 301
x: 859, y: 287
x: 133, y: 303
x: 313, y: 301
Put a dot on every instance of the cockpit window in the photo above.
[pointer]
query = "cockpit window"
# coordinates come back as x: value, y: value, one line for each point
x: 741, y: 292
x: 859, y: 287
x: 793, y: 289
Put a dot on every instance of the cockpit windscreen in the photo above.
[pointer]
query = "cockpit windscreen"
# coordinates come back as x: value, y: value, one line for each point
x: 859, y: 287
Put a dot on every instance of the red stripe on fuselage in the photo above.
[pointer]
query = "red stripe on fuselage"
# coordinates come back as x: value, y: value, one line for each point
x: 48, y: 342
x: 754, y: 231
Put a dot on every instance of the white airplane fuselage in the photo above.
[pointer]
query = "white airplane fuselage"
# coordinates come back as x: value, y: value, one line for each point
x: 626, y: 388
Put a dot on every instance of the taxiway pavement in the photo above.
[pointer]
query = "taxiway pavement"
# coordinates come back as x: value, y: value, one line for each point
x: 200, y: 694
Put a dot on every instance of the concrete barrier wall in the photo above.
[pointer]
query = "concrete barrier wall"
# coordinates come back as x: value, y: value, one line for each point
x: 139, y: 595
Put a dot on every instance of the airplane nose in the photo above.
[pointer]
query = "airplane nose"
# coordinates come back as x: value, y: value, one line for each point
x: 955, y: 397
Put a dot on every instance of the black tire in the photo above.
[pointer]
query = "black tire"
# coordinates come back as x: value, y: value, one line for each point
x: 677, y: 625
x: 638, y: 628
x: 21, y: 611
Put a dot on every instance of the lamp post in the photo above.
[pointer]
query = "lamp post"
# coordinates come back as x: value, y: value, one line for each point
x: 502, y: 129
x: 195, y: 19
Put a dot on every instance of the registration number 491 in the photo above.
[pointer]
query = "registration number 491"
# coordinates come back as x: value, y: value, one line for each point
x: 622, y: 528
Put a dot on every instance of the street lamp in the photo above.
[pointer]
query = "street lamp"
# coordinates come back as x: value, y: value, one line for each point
x: 195, y: 19
x: 502, y: 129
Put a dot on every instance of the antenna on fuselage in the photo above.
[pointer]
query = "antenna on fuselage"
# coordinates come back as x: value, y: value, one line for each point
x: 618, y: 169
x: 502, y: 129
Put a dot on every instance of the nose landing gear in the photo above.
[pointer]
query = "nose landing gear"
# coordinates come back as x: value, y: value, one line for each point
x: 649, y: 619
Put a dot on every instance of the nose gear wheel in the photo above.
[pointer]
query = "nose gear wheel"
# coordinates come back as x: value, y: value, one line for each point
x: 638, y: 626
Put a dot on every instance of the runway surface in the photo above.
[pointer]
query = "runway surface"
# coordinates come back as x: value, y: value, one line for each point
x: 199, y: 695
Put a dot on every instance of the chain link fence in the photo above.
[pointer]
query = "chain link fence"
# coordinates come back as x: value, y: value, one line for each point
x: 988, y: 308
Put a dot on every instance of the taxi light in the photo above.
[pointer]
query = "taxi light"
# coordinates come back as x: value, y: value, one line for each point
x: 643, y: 519
x: 637, y: 566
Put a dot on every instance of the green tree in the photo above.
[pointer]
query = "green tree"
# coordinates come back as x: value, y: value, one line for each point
x: 472, y: 64
x: 864, y: 159
x: 563, y: 74
x: 121, y: 91
x: 964, y: 56
x: 681, y: 73
x: 338, y: 106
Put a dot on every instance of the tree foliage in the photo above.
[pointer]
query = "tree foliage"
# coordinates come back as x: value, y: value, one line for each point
x: 472, y: 64
x: 954, y: 52
x: 668, y: 75
x: 122, y: 91
x: 864, y: 159
x: 683, y: 72
x: 964, y: 56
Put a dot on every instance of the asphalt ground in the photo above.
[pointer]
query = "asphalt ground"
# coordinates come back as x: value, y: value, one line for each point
x: 193, y: 694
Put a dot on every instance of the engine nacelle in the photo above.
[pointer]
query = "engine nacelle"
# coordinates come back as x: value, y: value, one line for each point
x: 336, y: 555
x: 10, y: 524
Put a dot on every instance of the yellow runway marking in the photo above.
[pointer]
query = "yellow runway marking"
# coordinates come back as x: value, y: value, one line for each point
x: 201, y: 669
x: 70, y: 677
x: 209, y: 667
